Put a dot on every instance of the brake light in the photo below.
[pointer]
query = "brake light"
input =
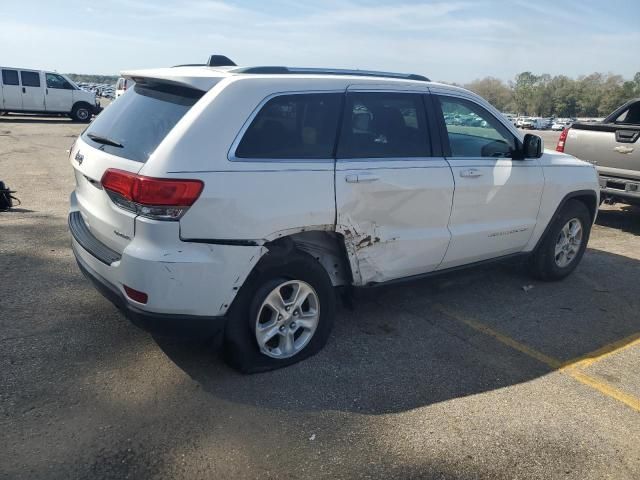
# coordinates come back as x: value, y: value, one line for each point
x: 562, y: 140
x: 156, y: 198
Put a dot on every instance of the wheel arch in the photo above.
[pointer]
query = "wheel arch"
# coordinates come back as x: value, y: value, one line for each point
x: 326, y: 247
x: 79, y: 103
x: 587, y: 197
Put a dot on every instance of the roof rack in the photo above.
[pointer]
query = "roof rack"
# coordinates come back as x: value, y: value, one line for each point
x: 329, y: 71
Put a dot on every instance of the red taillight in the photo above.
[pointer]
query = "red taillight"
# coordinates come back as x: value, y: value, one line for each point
x: 160, y: 198
x: 136, y: 295
x: 562, y: 140
x: 171, y: 193
x: 120, y: 182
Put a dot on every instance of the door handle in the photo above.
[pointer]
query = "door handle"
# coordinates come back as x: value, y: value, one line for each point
x: 471, y: 173
x: 361, y: 178
x: 24, y: 90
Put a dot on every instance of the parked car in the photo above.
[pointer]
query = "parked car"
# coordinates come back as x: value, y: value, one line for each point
x: 560, y: 124
x: 38, y: 91
x: 224, y: 200
x: 527, y: 123
x: 612, y: 145
x: 122, y: 84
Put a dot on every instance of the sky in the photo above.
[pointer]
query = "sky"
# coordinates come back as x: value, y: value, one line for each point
x: 454, y: 41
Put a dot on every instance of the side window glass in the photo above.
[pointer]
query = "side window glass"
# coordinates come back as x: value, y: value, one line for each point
x: 30, y: 79
x: 473, y: 131
x: 631, y: 116
x: 384, y: 125
x: 57, y: 81
x: 300, y: 126
x: 10, y: 77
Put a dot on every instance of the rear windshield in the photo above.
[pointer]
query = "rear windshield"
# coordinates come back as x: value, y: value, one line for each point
x: 136, y: 123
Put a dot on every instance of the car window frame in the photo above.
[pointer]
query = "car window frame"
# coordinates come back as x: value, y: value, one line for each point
x: 36, y: 73
x: 444, y: 133
x: 427, y: 113
x: 231, y: 154
x: 16, y: 71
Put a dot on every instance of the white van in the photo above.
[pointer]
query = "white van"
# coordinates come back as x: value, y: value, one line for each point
x: 122, y: 85
x: 37, y: 91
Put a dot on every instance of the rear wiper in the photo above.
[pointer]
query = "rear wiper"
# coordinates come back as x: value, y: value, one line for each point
x: 104, y: 140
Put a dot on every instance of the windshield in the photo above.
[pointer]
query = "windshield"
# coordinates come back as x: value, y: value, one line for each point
x: 140, y: 119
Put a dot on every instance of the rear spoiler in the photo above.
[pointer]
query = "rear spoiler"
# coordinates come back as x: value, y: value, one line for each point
x: 195, y: 78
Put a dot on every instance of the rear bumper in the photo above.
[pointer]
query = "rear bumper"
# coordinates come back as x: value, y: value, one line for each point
x: 627, y: 190
x: 157, y: 323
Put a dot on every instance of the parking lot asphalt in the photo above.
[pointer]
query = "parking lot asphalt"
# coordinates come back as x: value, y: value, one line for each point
x: 468, y: 375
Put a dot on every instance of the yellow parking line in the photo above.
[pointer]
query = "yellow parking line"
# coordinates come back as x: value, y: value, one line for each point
x: 603, y: 387
x: 569, y: 368
x: 481, y: 327
x: 605, y: 351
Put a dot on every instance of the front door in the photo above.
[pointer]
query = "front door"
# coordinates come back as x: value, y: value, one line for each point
x: 11, y: 92
x: 32, y: 91
x: 497, y: 198
x: 393, y: 191
x: 58, y: 94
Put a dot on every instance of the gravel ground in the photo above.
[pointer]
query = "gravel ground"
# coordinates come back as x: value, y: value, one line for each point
x: 452, y: 377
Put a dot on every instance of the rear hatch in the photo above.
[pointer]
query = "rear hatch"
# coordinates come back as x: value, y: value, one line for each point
x: 123, y: 137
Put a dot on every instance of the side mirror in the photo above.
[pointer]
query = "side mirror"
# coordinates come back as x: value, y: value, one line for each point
x: 532, y: 146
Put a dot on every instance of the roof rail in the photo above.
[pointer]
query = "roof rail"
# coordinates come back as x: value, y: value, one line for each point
x: 329, y: 71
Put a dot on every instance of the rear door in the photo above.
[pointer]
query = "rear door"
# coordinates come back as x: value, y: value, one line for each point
x: 32, y: 90
x: 497, y: 198
x: 11, y: 90
x: 123, y: 137
x: 393, y: 187
x: 58, y: 93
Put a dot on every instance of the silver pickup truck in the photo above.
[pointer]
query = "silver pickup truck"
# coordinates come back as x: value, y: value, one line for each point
x: 612, y: 145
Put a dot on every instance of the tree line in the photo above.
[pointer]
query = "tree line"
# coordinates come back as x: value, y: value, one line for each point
x: 87, y: 78
x: 594, y: 95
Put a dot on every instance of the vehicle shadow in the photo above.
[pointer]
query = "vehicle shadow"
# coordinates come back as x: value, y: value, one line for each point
x: 396, y: 352
x: 49, y: 120
x: 625, y: 218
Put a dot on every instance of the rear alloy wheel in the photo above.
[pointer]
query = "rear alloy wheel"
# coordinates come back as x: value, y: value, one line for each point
x: 283, y: 314
x: 287, y: 319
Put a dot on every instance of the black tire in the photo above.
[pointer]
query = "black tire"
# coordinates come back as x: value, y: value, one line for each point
x: 241, y: 347
x: 542, y: 263
x: 81, y: 112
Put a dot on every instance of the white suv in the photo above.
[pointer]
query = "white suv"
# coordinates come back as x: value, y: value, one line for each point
x: 236, y: 200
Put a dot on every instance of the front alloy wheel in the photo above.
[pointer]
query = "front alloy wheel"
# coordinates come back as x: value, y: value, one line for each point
x: 287, y: 319
x: 568, y: 242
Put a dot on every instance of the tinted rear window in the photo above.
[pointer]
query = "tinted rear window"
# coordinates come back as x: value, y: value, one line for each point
x: 10, y: 77
x: 384, y: 125
x: 30, y: 79
x: 140, y: 119
x: 300, y: 126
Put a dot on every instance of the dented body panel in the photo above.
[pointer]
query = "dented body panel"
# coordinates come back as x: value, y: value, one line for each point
x: 396, y: 225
